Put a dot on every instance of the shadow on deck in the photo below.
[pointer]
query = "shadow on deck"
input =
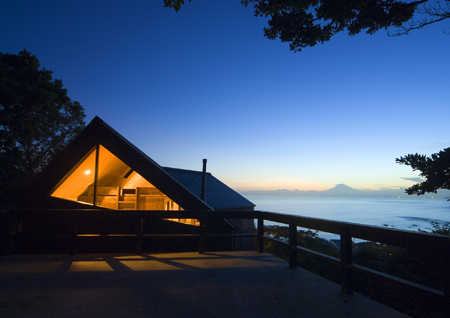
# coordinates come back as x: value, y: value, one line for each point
x: 219, y: 284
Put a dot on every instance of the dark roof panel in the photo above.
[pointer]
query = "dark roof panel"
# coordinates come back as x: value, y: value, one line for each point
x: 218, y: 195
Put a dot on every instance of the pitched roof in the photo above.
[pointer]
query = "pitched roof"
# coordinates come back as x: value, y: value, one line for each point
x: 172, y: 182
x: 217, y: 194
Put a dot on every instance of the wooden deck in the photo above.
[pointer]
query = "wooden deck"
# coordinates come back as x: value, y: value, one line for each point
x: 219, y: 284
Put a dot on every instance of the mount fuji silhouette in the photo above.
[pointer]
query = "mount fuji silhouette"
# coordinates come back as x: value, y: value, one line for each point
x: 342, y: 190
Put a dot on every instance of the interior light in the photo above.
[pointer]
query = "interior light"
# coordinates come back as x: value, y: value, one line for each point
x: 87, y: 172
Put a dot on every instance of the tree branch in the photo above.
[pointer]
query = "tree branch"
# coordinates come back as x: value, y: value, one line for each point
x: 438, y: 11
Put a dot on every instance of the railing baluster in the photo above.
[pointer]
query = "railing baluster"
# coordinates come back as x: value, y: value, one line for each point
x: 74, y: 235
x: 260, y: 235
x: 292, y: 244
x: 201, y: 237
x: 445, y: 256
x: 346, y: 261
x: 139, y: 233
x: 3, y: 247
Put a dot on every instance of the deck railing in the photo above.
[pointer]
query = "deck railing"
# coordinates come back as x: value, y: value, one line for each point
x: 416, y: 241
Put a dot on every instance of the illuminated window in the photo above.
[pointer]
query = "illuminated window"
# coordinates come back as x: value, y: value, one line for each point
x: 78, y: 181
x: 118, y: 186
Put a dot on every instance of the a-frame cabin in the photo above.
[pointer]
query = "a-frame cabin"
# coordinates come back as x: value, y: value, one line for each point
x: 100, y: 169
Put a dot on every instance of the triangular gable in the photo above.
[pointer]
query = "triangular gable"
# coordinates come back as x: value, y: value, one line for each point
x: 99, y: 133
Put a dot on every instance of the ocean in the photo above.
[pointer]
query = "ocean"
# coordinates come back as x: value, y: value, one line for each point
x: 400, y: 213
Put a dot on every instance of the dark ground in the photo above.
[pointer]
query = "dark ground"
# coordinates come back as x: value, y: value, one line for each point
x: 219, y: 284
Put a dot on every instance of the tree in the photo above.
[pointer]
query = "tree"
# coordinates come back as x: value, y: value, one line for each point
x: 437, y: 228
x: 435, y: 169
x: 37, y: 119
x: 304, y: 23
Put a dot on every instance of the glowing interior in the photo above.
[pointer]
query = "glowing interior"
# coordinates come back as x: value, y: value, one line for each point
x: 118, y: 186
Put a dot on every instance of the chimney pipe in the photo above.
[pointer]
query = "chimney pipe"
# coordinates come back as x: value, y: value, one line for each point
x: 203, y: 196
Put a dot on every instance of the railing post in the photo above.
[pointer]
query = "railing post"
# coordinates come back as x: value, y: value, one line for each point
x: 201, y: 237
x: 447, y: 297
x: 346, y: 261
x: 445, y: 263
x: 139, y: 233
x: 260, y: 235
x: 292, y: 244
x: 3, y: 243
x: 74, y: 235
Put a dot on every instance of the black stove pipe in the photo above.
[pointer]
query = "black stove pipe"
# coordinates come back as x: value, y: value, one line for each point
x: 203, y: 196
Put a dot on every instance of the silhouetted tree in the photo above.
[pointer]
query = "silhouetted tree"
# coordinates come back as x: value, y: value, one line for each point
x: 435, y: 169
x: 304, y: 23
x: 37, y: 120
x: 437, y: 228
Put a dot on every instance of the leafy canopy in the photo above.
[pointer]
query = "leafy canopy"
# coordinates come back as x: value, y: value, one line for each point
x: 37, y: 118
x: 304, y: 23
x: 435, y: 169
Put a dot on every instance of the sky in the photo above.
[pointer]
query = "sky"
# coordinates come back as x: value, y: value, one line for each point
x: 205, y: 83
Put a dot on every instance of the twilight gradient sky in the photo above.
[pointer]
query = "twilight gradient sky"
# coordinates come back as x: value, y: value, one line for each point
x: 205, y: 83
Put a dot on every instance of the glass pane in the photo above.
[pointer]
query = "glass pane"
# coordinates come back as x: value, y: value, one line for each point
x: 118, y: 186
x: 111, y: 172
x: 75, y: 186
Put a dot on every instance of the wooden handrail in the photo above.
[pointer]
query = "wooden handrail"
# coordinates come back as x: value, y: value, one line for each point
x: 401, y: 238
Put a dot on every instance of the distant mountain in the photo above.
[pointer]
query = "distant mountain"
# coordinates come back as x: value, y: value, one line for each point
x: 342, y: 190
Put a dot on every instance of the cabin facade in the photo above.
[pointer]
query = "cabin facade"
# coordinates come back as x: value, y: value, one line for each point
x: 100, y: 169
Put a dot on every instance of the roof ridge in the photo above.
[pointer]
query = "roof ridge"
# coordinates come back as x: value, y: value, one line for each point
x: 186, y: 170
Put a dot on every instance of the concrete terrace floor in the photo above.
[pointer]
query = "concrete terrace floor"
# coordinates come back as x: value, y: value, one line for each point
x: 219, y: 284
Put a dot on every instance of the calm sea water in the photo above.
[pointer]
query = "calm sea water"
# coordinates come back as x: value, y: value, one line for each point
x: 407, y: 214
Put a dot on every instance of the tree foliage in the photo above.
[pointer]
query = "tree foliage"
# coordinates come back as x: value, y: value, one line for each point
x: 37, y: 118
x: 176, y: 4
x: 435, y: 169
x: 431, y: 11
x: 437, y: 228
x: 304, y: 23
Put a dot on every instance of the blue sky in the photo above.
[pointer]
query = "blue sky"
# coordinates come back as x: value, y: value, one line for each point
x: 205, y: 83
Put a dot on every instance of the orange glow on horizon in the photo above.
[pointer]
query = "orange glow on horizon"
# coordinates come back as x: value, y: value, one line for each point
x: 309, y: 187
x: 280, y: 185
